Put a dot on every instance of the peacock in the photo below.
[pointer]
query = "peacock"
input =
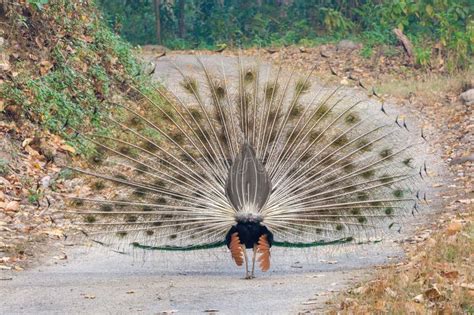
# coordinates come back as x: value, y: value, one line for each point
x: 249, y: 156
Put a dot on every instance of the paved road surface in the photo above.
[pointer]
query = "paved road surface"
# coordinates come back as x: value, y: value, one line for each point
x: 98, y: 281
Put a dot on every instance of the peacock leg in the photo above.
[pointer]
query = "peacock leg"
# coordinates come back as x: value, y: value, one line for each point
x: 246, y: 261
x: 252, y: 275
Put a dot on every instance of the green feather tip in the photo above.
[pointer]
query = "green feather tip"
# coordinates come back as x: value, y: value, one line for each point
x: 314, y: 244
x: 179, y: 248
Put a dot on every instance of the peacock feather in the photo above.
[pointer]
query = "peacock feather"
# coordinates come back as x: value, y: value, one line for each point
x: 249, y: 156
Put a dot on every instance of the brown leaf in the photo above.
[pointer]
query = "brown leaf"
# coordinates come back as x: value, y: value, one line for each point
x: 54, y: 232
x: 33, y: 57
x: 88, y: 39
x: 38, y: 42
x: 68, y: 148
x: 433, y: 293
x: 4, y: 63
x: 31, y: 151
x: 70, y: 49
x: 450, y: 274
x: 45, y: 66
x: 61, y: 257
x: 12, y: 206
x: 453, y: 228
x: 26, y: 142
x: 380, y: 305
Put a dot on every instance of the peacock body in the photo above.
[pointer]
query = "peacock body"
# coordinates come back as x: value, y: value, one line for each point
x: 250, y: 156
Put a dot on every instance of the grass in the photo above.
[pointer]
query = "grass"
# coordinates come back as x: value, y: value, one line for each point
x: 435, y: 279
x: 34, y: 197
x: 3, y: 167
x: 429, y: 86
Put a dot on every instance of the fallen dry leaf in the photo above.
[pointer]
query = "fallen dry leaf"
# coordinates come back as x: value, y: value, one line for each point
x: 54, y: 232
x: 45, y: 66
x: 380, y: 305
x: 433, y: 294
x: 68, y: 148
x: 61, y: 257
x: 450, y: 274
x: 453, y: 228
x: 33, y: 57
x: 26, y: 142
x: 88, y: 39
x: 4, y: 64
x: 12, y: 206
x: 38, y: 42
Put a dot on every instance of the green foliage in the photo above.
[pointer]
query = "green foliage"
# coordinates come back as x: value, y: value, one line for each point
x: 276, y: 23
x: 89, y: 66
x: 65, y: 174
x: 38, y: 4
x: 34, y: 196
x: 3, y: 167
x: 335, y: 22
x: 366, y: 51
x: 451, y: 253
x: 422, y: 56
x: 447, y: 22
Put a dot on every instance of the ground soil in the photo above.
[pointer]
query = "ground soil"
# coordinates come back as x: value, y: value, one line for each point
x: 31, y: 233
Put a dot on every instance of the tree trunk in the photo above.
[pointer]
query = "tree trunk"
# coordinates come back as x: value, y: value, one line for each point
x: 181, y: 25
x: 406, y: 43
x: 158, y: 21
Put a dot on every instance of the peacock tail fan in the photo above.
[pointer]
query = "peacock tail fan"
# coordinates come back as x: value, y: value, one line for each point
x: 315, y: 164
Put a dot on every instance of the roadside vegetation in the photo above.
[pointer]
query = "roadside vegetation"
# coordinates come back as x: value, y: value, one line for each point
x: 437, y: 29
x: 436, y: 277
x: 65, y: 69
x: 62, y: 71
